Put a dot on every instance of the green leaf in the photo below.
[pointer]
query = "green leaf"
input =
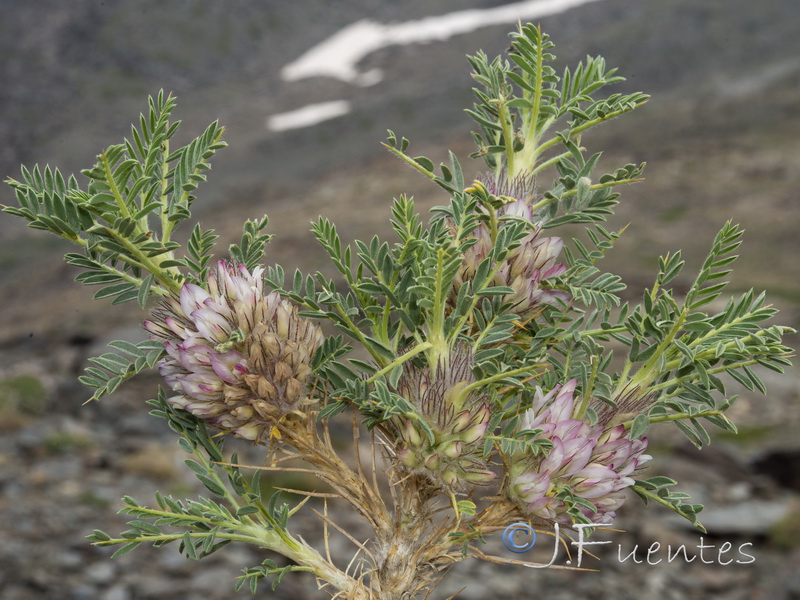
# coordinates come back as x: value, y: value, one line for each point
x: 115, y: 368
x: 639, y: 426
x: 211, y: 485
x: 123, y: 550
x: 144, y: 290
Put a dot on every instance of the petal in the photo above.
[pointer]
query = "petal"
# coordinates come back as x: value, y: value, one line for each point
x: 195, y: 358
x: 229, y: 367
x: 554, y: 458
x: 211, y: 325
x: 192, y: 298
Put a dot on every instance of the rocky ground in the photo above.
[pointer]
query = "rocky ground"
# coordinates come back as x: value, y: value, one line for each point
x: 720, y: 136
x: 64, y: 468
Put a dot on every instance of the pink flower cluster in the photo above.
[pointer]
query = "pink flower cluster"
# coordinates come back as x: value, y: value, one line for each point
x: 593, y: 463
x: 237, y: 357
x: 526, y: 267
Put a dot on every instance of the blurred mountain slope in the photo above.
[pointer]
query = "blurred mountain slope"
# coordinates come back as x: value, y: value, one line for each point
x: 720, y: 134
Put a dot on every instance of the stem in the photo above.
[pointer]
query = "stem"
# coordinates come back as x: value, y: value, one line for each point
x: 478, y: 340
x: 652, y: 496
x: 499, y: 377
x: 175, y: 536
x: 429, y: 174
x: 456, y: 512
x: 714, y: 371
x: 598, y: 186
x: 476, y: 298
x: 310, y: 558
x: 533, y: 132
x: 550, y: 162
x: 296, y: 550
x: 137, y: 281
x: 356, y: 333
x: 114, y: 189
x: 645, y: 376
x: 678, y: 417
x: 172, y: 515
x: 715, y: 332
x: 588, y: 124
x: 508, y: 136
x: 436, y: 331
x: 595, y: 332
x: 492, y: 223
x: 532, y: 135
x: 587, y: 393
x: 166, y: 224
x: 400, y: 360
x: 384, y: 332
x: 147, y: 263
x: 537, y: 96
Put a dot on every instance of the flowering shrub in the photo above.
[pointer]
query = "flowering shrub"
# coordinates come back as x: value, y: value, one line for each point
x: 476, y: 351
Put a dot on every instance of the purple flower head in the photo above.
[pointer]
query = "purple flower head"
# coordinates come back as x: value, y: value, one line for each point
x: 525, y: 268
x: 236, y: 357
x: 591, y: 463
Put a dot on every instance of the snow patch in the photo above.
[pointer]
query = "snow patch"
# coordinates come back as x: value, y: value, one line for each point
x: 308, y: 115
x: 338, y: 56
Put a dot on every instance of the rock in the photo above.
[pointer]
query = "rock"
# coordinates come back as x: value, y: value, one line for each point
x: 154, y: 461
x: 156, y: 588
x: 100, y: 572
x: 749, y: 518
x: 84, y: 592
x: 69, y: 559
x: 782, y: 465
x: 216, y: 581
x: 18, y: 592
x: 119, y: 591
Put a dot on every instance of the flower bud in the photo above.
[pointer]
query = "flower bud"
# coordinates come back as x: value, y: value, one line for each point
x: 432, y: 462
x: 450, y: 478
x: 450, y: 449
x: 412, y: 435
x: 474, y: 433
x: 461, y: 421
x: 269, y: 342
x: 479, y: 477
x: 456, y: 417
x: 293, y: 389
x: 526, y: 267
x: 407, y: 457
